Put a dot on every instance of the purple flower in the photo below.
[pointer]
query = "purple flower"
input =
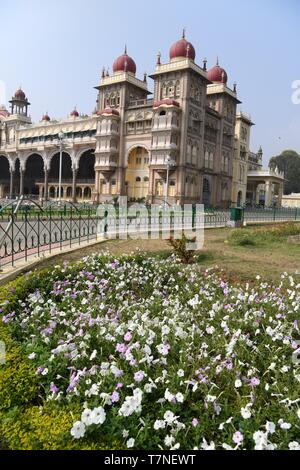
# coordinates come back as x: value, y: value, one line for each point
x: 115, y: 397
x: 121, y: 348
x: 138, y: 376
x: 195, y: 422
x: 119, y: 385
x: 255, y: 381
x: 128, y: 336
x: 53, y: 388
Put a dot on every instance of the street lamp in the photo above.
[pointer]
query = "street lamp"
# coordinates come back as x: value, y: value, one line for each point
x: 169, y: 163
x: 60, y: 138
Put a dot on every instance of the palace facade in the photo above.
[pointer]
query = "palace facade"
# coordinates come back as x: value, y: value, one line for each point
x: 185, y: 141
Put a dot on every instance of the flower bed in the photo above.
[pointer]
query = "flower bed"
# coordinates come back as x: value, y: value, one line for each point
x: 161, y: 356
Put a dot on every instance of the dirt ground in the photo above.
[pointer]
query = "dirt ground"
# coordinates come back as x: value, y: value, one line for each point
x: 239, y: 263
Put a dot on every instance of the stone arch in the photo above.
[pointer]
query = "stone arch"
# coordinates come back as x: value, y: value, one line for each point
x: 67, y: 174
x: 86, y: 165
x: 4, y: 176
x: 52, y: 192
x: 135, y: 146
x: 137, y: 171
x: 34, y: 173
x: 69, y: 192
x: 87, y: 193
x: 79, y: 192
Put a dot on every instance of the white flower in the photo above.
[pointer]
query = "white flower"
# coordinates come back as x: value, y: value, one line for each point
x: 227, y: 447
x: 130, y: 443
x: 78, y: 430
x: 180, y: 373
x: 294, y: 445
x: 179, y: 397
x: 165, y: 330
x: 93, y: 355
x: 246, y: 413
x: 98, y: 415
x: 31, y: 356
x: 45, y: 371
x: 125, y: 433
x: 176, y: 446
x: 86, y: 417
x: 284, y: 425
x: 159, y: 424
x: 206, y: 446
x: 270, y: 427
x: 238, y: 383
x: 238, y: 437
x: 298, y: 413
x: 261, y: 440
x: 210, y: 330
x: 168, y: 396
x: 169, y: 417
x: 211, y: 398
x: 169, y: 440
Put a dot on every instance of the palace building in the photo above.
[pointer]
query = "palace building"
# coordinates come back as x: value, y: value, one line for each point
x: 185, y: 141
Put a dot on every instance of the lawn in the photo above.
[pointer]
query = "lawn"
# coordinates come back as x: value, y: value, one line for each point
x: 240, y: 263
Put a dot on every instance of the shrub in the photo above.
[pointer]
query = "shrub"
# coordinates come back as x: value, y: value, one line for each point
x: 180, y: 248
x: 47, y: 428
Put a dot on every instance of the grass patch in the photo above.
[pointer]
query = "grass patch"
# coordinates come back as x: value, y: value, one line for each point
x: 260, y: 236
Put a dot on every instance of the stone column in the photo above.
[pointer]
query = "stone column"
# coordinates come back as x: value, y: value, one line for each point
x: 257, y: 194
x: 280, y: 194
x: 74, y: 184
x: 46, y: 184
x: 268, y: 196
x: 11, y: 186
x: 21, y: 181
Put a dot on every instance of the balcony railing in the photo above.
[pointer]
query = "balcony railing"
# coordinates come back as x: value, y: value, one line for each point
x: 139, y: 103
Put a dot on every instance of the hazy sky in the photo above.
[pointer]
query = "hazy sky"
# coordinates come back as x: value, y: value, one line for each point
x: 56, y: 49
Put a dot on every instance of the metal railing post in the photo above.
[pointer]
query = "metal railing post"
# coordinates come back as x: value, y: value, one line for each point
x: 50, y: 229
x: 38, y: 233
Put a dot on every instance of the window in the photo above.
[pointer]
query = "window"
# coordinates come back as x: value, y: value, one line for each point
x: 206, y: 159
x: 138, y: 179
x: 146, y: 179
x: 131, y: 127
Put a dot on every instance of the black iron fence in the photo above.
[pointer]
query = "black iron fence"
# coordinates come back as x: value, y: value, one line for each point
x: 25, y: 236
x: 26, y: 229
x: 273, y: 214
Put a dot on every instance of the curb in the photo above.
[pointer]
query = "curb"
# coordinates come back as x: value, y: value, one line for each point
x: 13, y: 273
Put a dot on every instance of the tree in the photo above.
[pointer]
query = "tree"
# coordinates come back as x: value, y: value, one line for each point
x: 289, y: 163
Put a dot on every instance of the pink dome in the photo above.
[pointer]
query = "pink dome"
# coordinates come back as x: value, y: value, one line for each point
x: 74, y: 113
x: 4, y: 112
x: 182, y: 48
x: 217, y: 74
x: 20, y: 94
x: 46, y: 117
x: 124, y: 63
